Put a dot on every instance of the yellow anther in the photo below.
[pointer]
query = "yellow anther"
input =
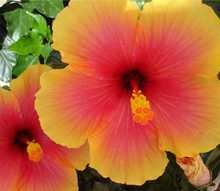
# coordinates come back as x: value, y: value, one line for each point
x: 34, y: 151
x: 140, y: 108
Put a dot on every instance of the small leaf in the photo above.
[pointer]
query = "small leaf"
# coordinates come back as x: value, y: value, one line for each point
x: 40, y: 24
x: 45, y: 52
x: 27, y: 45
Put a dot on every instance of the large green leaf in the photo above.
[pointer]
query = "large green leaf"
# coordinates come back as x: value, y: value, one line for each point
x: 19, y: 22
x: 49, y: 8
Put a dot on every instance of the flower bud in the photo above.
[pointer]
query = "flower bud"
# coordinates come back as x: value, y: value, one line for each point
x: 195, y: 170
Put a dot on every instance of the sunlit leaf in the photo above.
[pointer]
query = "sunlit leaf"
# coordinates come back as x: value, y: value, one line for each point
x: 40, y: 24
x: 27, y: 45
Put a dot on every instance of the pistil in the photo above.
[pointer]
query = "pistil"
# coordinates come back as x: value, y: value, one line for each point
x: 34, y: 151
x: 140, y: 106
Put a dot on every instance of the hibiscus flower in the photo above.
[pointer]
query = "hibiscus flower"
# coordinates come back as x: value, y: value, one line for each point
x: 138, y: 83
x: 29, y: 160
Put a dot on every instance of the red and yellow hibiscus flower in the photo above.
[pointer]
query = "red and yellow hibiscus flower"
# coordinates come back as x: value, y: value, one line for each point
x: 29, y: 160
x: 138, y: 83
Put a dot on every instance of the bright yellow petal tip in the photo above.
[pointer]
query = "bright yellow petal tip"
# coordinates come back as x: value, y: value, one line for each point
x: 140, y: 108
x: 34, y: 151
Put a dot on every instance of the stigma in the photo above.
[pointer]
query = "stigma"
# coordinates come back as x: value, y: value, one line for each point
x: 140, y: 108
x: 34, y: 151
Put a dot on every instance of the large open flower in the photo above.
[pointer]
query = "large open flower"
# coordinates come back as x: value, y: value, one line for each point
x: 29, y: 160
x: 137, y: 83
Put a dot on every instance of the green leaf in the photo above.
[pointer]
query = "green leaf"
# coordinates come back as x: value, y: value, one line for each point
x: 23, y: 62
x: 40, y: 24
x: 7, y: 62
x: 27, y: 45
x: 45, y: 52
x: 49, y: 8
x: 18, y: 22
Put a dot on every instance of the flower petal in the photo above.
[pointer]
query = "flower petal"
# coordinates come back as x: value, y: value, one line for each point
x: 126, y: 151
x: 10, y: 167
x: 81, y: 37
x: 48, y: 175
x: 25, y: 87
x: 183, y: 55
x: 171, y: 3
x: 86, y: 112
x: 82, y: 103
x: 71, y: 158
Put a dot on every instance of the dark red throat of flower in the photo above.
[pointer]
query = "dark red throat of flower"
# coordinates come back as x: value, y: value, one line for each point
x: 25, y: 140
x: 140, y: 106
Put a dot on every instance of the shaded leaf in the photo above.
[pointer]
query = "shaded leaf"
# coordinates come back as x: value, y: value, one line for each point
x: 49, y: 8
x: 215, y: 4
x: 3, y: 31
x: 7, y: 62
x: 213, y: 162
x: 23, y: 62
x: 9, y: 6
x: 54, y: 60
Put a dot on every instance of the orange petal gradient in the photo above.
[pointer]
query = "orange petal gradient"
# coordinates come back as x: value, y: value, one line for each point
x: 78, y: 36
x: 55, y: 171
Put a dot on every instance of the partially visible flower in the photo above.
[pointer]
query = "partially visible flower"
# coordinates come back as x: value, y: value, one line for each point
x: 2, y: 2
x: 29, y: 160
x: 137, y: 84
x: 195, y: 170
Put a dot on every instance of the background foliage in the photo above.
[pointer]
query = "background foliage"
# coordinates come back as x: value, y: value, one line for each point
x: 25, y: 39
